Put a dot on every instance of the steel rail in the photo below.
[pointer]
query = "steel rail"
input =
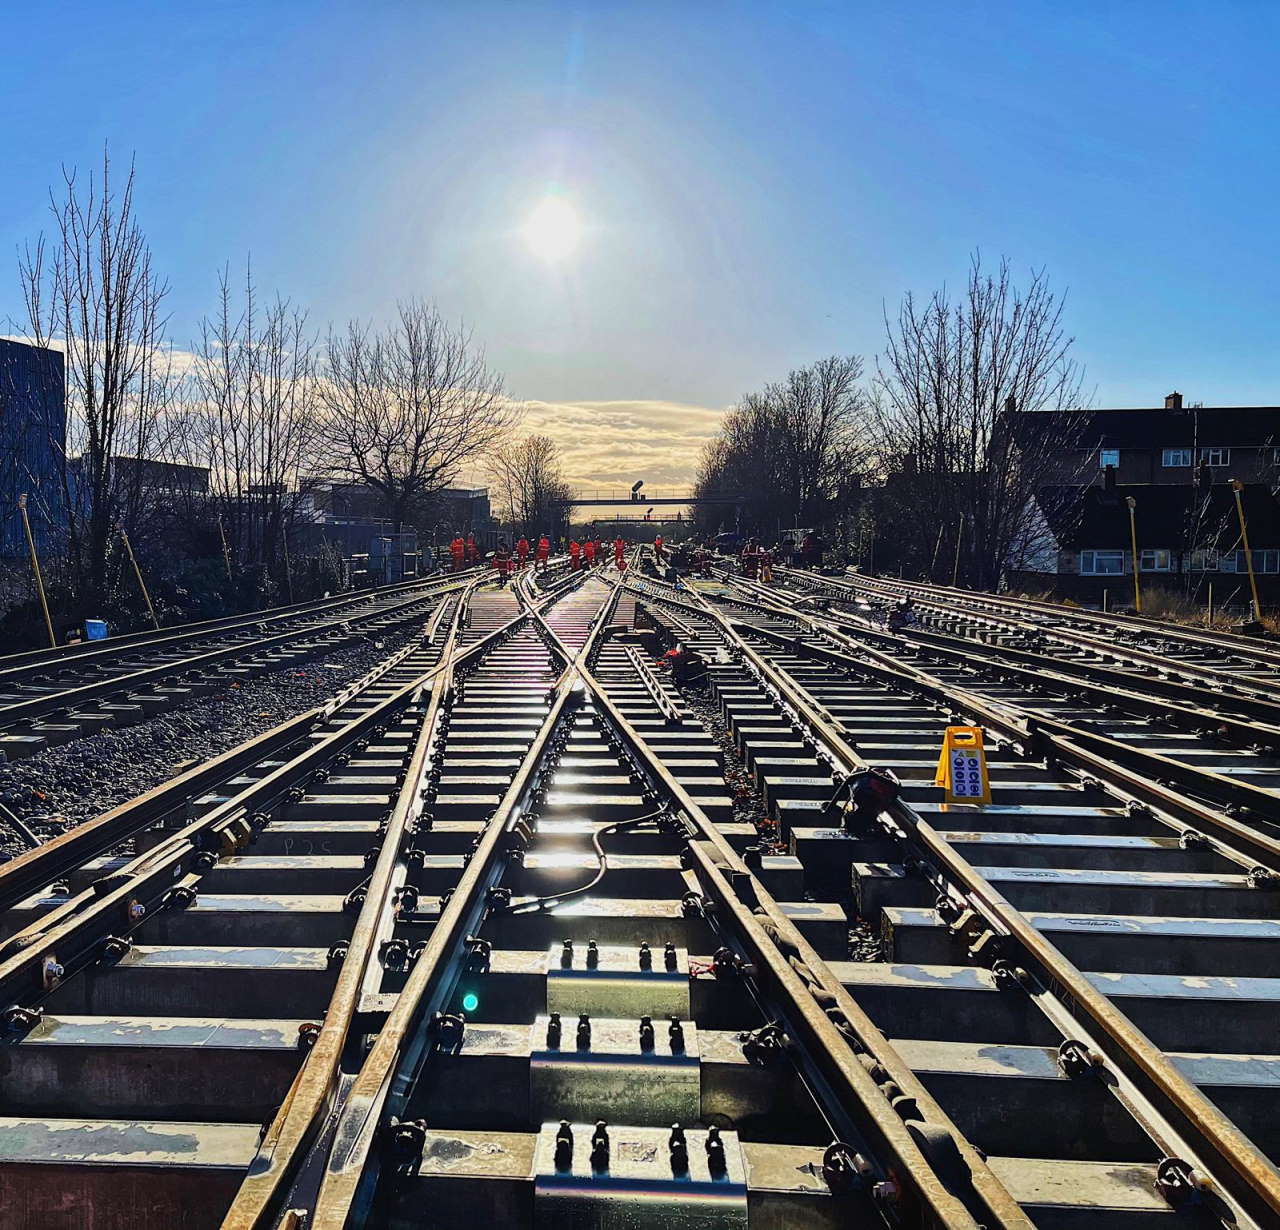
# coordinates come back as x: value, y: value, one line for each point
x: 316, y: 1089
x: 1097, y: 674
x: 965, y: 601
x: 1246, y: 1181
x: 820, y: 1009
x: 346, y: 1192
x: 386, y: 1078
x: 34, y: 869
x: 71, y: 934
x: 72, y: 656
x: 67, y: 699
x: 1069, y: 743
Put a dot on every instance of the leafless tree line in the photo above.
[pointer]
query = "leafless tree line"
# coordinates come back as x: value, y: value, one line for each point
x: 264, y: 404
x: 943, y: 446
x: 955, y: 402
x: 796, y: 449
x: 527, y: 487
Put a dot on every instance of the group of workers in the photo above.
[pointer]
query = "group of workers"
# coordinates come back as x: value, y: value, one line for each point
x: 590, y: 552
x: 586, y: 554
x: 757, y: 561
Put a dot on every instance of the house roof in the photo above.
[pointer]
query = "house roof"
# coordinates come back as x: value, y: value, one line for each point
x: 1164, y: 516
x: 1193, y: 426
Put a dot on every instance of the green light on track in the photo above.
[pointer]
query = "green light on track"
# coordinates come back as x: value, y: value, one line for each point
x: 470, y: 1002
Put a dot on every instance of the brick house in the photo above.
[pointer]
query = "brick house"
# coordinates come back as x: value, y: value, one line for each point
x: 1176, y: 463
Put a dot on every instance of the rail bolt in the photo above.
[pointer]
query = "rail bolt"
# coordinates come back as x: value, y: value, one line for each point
x: 600, y: 1146
x: 678, y: 1147
x: 51, y: 972
x: 1075, y: 1059
x: 19, y: 1020
x: 1179, y: 1182
x: 716, y: 1164
x: 564, y: 1146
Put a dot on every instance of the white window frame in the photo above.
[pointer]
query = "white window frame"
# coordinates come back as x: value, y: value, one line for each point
x: 1104, y: 454
x: 1265, y: 559
x: 1089, y: 561
x: 1216, y: 455
x: 1155, y: 559
x: 1168, y: 455
x: 1203, y: 561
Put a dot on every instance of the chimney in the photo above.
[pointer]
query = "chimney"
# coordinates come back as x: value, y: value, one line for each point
x: 1173, y: 401
x: 1011, y: 403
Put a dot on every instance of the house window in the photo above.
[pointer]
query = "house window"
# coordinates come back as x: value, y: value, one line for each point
x: 1216, y: 456
x: 1203, y: 561
x: 1101, y: 563
x: 1108, y: 457
x: 1266, y: 560
x: 1155, y: 561
x: 1176, y: 457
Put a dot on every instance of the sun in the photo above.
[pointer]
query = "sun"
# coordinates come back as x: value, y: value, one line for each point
x: 552, y: 230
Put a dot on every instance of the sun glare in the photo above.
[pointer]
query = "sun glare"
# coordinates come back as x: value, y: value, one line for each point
x: 552, y: 230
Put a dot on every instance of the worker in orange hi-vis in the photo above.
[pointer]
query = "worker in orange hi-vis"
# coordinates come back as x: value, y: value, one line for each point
x: 544, y: 550
x: 599, y: 557
x: 657, y: 550
x: 502, y: 560
x: 458, y: 549
x: 589, y: 550
x: 472, y: 554
x: 620, y: 554
x: 522, y: 552
x: 575, y: 552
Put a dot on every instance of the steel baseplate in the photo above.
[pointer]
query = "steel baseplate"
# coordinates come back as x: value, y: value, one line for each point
x: 615, y: 983
x: 638, y: 1189
x: 613, y: 1076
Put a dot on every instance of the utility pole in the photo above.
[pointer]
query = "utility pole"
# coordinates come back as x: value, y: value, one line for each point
x: 35, y: 568
x: 226, y: 550
x: 137, y: 572
x: 937, y: 546
x: 955, y: 567
x: 1238, y: 488
x: 1133, y: 543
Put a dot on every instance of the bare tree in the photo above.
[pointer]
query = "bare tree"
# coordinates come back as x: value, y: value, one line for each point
x: 795, y: 450
x: 92, y: 292
x: 529, y: 488
x: 959, y: 395
x: 407, y: 408
x: 253, y: 418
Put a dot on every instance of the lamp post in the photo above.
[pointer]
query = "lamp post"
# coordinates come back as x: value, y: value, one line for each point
x: 1133, y: 543
x: 1238, y: 488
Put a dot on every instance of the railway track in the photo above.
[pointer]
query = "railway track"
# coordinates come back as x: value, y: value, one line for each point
x: 49, y: 697
x: 518, y: 932
x: 1199, y: 655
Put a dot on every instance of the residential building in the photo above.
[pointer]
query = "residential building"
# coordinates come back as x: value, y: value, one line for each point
x: 1177, y: 464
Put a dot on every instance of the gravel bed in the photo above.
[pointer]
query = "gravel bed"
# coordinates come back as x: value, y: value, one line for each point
x: 63, y: 786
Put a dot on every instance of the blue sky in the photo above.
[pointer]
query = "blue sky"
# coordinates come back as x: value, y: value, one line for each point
x: 756, y: 180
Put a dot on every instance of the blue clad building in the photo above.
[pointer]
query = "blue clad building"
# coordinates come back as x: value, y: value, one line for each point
x: 33, y: 435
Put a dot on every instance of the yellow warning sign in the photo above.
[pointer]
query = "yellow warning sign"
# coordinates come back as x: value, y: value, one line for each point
x: 962, y: 767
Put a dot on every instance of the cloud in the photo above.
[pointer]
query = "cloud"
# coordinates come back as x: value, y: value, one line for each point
x: 610, y: 444
x: 604, y: 445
